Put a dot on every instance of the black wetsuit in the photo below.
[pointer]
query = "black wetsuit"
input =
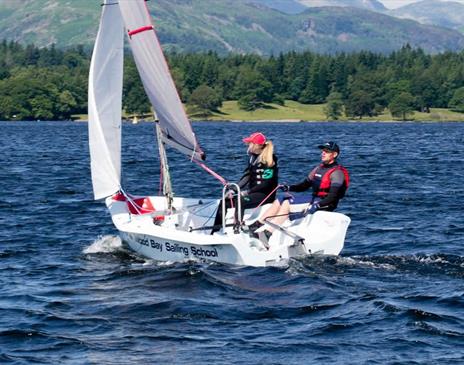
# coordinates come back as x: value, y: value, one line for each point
x: 258, y: 182
x: 337, y: 189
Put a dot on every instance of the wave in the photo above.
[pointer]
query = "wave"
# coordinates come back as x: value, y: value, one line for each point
x: 104, y: 244
x: 422, y: 264
x: 436, y: 329
x: 19, y: 334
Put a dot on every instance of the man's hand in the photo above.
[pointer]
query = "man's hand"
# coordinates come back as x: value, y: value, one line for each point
x: 284, y: 187
x: 312, y: 209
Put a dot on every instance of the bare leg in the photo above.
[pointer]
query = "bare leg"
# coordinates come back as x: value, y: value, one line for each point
x: 272, y: 210
x: 282, y: 215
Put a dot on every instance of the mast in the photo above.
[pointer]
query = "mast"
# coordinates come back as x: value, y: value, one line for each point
x: 167, y: 187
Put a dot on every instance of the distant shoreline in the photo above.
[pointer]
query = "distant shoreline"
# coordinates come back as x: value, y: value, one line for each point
x: 291, y: 121
x: 350, y: 121
x: 294, y: 112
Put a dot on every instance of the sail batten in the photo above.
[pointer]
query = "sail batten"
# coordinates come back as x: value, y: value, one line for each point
x: 104, y: 103
x: 156, y: 78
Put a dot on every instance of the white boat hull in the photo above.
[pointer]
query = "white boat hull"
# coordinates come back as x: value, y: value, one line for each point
x: 172, y: 239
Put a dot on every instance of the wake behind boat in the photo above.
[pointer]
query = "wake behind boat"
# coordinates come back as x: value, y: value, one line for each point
x: 164, y: 227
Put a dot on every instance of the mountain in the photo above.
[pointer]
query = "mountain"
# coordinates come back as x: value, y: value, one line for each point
x: 346, y: 27
x: 284, y: 6
x: 373, y: 5
x: 298, y: 6
x: 43, y: 22
x: 449, y: 14
x: 229, y: 26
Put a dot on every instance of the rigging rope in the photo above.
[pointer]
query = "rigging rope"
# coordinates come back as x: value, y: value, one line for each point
x: 161, y: 182
x: 210, y: 171
x: 137, y: 207
x: 272, y: 192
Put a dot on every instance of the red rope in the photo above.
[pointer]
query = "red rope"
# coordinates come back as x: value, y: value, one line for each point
x: 216, y: 175
x: 224, y: 182
x: 272, y: 192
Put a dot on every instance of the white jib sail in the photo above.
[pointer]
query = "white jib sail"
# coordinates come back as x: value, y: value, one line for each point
x: 104, y: 103
x: 156, y: 78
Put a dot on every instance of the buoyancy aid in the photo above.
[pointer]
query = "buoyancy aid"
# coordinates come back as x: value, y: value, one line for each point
x: 324, y: 185
x: 262, y: 175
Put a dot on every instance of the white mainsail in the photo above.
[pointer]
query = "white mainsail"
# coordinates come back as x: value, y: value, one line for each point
x: 104, y: 102
x: 157, y: 80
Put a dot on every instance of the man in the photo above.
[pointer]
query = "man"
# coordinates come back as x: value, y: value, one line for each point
x: 329, y: 182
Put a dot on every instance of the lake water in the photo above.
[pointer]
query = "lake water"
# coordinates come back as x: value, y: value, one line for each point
x: 70, y: 294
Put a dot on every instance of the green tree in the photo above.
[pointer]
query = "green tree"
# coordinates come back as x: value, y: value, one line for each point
x: 365, y: 93
x: 34, y: 97
x: 193, y: 72
x: 457, y: 101
x: 394, y: 88
x: 67, y: 103
x: 210, y: 70
x: 272, y: 72
x: 204, y: 100
x: 135, y: 100
x: 249, y: 103
x: 338, y: 74
x: 226, y: 81
x: 42, y: 108
x: 402, y: 105
x: 9, y: 107
x: 316, y: 89
x: 296, y: 87
x: 426, y: 90
x: 334, y: 107
x: 253, y: 90
x: 178, y: 77
x: 359, y: 103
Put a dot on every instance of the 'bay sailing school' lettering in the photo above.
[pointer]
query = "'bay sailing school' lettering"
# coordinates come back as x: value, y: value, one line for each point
x: 195, y: 251
x: 175, y: 247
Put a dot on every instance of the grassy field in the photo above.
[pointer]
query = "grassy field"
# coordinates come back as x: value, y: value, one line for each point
x: 293, y: 111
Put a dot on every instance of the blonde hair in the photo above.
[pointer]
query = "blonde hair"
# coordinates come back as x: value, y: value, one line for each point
x: 266, y: 156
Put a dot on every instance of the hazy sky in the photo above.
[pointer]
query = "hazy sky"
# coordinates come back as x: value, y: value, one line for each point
x: 391, y: 4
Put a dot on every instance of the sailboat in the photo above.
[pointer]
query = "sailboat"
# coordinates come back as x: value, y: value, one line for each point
x: 168, y: 228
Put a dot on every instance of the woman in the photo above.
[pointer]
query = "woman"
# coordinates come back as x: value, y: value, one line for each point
x: 259, y: 181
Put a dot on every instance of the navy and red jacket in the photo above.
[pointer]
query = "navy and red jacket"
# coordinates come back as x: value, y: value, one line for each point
x: 328, y: 182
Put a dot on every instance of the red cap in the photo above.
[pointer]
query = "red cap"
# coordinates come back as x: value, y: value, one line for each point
x: 256, y: 138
